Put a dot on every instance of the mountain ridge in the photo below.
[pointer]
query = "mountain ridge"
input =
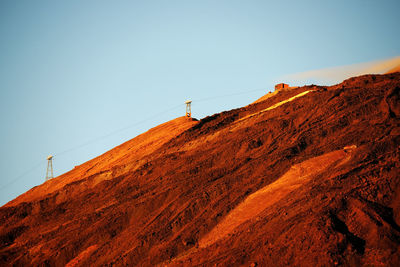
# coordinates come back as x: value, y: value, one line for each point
x: 159, y: 210
x: 143, y: 145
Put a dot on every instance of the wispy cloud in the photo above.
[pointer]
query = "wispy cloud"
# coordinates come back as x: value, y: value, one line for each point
x: 337, y: 74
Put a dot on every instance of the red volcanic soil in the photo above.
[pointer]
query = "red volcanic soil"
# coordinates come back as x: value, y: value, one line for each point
x: 307, y: 176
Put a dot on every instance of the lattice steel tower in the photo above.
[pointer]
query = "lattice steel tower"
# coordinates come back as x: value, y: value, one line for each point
x: 49, y: 172
x: 188, y: 108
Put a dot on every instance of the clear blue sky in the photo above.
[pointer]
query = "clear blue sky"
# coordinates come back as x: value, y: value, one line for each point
x: 73, y: 71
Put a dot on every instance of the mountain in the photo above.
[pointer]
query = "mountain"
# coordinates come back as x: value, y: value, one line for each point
x: 306, y: 176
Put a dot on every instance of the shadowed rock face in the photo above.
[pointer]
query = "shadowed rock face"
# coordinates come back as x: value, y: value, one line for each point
x: 311, y: 181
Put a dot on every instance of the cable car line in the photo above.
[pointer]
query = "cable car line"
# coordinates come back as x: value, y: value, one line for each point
x: 120, y: 130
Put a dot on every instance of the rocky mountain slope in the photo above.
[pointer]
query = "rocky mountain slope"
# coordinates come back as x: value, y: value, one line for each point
x: 307, y: 176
